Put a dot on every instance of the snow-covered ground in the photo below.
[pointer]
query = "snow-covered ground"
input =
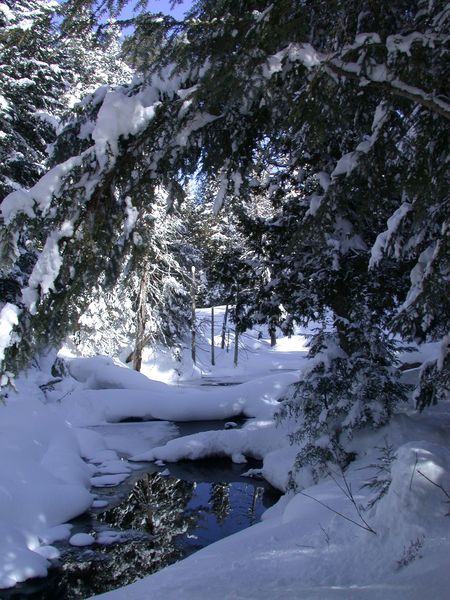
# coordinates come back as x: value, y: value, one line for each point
x: 323, y: 543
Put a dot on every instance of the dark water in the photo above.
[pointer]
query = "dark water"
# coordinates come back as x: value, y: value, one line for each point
x: 152, y: 520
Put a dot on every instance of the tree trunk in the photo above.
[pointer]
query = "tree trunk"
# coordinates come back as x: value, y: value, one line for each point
x: 340, y: 303
x: 273, y: 334
x: 224, y: 327
x: 236, y: 328
x: 213, y: 360
x: 193, y: 293
x: 141, y: 320
x: 236, y: 345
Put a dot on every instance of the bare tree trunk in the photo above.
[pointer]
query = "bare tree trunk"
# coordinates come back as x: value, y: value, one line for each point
x: 141, y: 320
x: 224, y: 327
x: 236, y: 327
x: 193, y: 293
x: 341, y: 305
x: 273, y: 334
x: 213, y: 360
x: 236, y: 345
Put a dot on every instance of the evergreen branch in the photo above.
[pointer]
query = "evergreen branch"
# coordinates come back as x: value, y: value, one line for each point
x: 391, y: 85
x: 310, y: 58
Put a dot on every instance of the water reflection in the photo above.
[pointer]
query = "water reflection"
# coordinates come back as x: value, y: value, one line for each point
x: 160, y: 520
x: 219, y: 500
x: 156, y: 504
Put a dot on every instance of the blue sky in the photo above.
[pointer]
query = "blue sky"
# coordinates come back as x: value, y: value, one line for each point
x: 161, y: 6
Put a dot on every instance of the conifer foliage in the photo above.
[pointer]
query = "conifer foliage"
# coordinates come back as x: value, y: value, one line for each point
x: 32, y: 83
x: 336, y: 114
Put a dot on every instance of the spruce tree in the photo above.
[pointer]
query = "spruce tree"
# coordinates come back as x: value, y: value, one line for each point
x: 32, y: 84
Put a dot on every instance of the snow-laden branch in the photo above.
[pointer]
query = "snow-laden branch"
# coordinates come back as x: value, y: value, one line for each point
x: 377, y: 74
x: 8, y: 320
x: 384, y: 239
x: 380, y: 76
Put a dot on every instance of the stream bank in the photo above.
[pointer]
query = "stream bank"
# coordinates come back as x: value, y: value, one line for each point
x: 159, y: 515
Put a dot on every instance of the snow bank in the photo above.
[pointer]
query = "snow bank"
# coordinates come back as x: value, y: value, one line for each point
x: 104, y: 372
x: 315, y: 545
x: 258, y: 398
x: 44, y: 482
x: 256, y: 439
x: 310, y: 545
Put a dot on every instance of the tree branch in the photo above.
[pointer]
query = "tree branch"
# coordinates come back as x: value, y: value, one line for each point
x: 365, y: 526
x: 391, y: 85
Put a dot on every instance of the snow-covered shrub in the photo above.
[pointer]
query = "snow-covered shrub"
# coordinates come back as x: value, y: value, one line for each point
x: 340, y: 394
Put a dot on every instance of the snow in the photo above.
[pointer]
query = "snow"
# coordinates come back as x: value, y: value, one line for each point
x: 132, y: 215
x: 313, y: 544
x: 197, y: 122
x: 56, y: 534
x: 384, y: 238
x: 348, y: 162
x: 418, y: 275
x: 108, y: 480
x: 302, y: 549
x: 6, y: 11
x: 46, y: 268
x: 44, y: 483
x: 258, y: 397
x: 119, y: 116
x: 3, y: 102
x: 82, y: 539
x: 40, y: 195
x: 221, y: 191
x: 402, y: 43
x: 315, y: 202
x: 8, y: 319
x: 303, y: 53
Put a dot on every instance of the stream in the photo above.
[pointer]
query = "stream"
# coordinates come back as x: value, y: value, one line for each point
x: 160, y: 514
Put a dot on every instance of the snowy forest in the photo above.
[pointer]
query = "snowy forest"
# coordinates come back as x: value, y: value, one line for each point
x: 225, y: 242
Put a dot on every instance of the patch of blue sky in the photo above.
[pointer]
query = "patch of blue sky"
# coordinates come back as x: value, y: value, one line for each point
x: 167, y: 7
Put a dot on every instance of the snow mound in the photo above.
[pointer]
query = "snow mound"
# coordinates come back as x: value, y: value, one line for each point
x: 44, y: 482
x: 104, y: 372
x: 418, y: 491
x: 257, y: 398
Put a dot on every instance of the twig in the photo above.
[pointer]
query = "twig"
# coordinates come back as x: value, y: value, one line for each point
x: 414, y: 470
x: 365, y: 526
x: 326, y: 533
x: 349, y: 494
x: 438, y: 485
x: 62, y: 397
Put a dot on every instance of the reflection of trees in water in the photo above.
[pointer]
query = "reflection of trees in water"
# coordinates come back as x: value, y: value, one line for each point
x: 151, y: 521
x: 258, y: 493
x: 153, y: 514
x: 155, y: 504
x: 219, y: 501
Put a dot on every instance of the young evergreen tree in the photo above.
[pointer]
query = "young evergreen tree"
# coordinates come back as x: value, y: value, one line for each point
x: 149, y: 302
